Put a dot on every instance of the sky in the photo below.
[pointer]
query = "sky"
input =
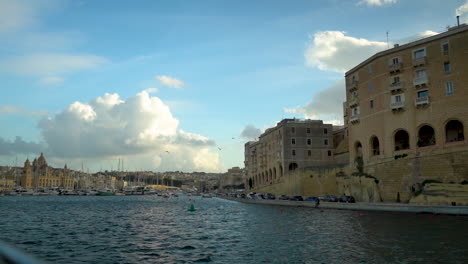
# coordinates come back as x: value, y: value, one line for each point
x: 182, y: 85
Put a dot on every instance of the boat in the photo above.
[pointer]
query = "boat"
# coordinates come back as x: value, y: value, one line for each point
x: 207, y: 195
x: 105, y: 193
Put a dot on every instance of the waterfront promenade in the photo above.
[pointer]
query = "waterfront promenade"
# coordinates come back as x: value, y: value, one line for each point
x: 387, y: 207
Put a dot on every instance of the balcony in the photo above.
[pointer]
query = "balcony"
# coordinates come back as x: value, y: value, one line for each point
x: 353, y: 86
x: 395, y: 68
x: 419, y: 62
x: 353, y: 102
x: 420, y: 82
x: 397, y: 105
x: 423, y: 100
x: 354, y: 118
x: 397, y: 87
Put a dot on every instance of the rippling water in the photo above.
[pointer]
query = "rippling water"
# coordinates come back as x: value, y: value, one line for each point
x: 151, y: 229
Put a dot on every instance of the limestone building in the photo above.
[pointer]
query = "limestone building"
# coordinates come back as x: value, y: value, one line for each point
x: 407, y: 112
x: 40, y: 175
x: 292, y: 144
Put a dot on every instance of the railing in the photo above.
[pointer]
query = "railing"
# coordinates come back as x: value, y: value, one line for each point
x: 354, y: 118
x: 420, y: 81
x: 395, y: 67
x: 353, y: 102
x: 353, y: 86
x: 396, y: 86
x: 419, y: 61
x: 422, y: 100
x: 397, y: 105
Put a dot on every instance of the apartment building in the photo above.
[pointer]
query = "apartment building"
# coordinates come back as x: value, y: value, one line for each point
x: 292, y: 144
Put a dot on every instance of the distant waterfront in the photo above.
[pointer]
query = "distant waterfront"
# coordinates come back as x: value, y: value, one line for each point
x: 151, y: 229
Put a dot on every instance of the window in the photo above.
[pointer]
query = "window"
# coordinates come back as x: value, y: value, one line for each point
x: 293, y: 141
x: 445, y: 48
x: 294, y: 152
x: 372, y: 104
x: 293, y: 130
x: 449, y: 88
x: 447, y: 67
x: 309, y: 153
x: 355, y: 111
x: 369, y: 68
x: 329, y: 153
x: 308, y: 130
x: 396, y: 79
x: 325, y: 131
x: 309, y: 142
x: 420, y: 53
x: 370, y: 87
x: 325, y: 142
x: 423, y: 94
x: 420, y: 74
x: 396, y: 60
x: 353, y: 79
x: 398, y: 98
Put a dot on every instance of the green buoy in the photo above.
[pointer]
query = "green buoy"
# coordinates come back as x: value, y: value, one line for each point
x: 192, y: 208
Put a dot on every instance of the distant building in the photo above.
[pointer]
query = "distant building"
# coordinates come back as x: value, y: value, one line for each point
x: 292, y: 144
x: 40, y: 175
x: 232, y: 179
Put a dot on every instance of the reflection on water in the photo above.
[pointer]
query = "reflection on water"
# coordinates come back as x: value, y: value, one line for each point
x: 151, y: 229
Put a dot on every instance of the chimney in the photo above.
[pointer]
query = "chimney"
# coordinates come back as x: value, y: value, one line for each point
x: 458, y: 21
x: 396, y: 45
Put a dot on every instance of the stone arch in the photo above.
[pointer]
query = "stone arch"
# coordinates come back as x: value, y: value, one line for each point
x: 426, y: 136
x: 281, y: 170
x: 358, y: 149
x: 375, y: 146
x: 293, y: 166
x: 271, y: 175
x: 274, y: 173
x: 250, y: 183
x: 401, y: 140
x: 454, y: 131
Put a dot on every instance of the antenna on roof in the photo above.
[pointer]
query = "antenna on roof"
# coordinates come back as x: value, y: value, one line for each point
x: 388, y: 45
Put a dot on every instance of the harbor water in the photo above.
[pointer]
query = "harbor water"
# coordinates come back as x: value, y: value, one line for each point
x: 153, y: 229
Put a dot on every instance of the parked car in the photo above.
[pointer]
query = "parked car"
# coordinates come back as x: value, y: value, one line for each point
x: 251, y: 195
x: 283, y: 197
x: 270, y: 196
x: 296, y: 198
x: 242, y: 195
x: 347, y: 199
x: 329, y: 198
x: 311, y: 199
x: 259, y: 196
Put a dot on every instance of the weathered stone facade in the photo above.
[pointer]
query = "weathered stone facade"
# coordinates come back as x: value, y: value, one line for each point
x: 40, y: 175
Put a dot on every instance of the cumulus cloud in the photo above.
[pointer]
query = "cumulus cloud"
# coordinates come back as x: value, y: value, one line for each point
x: 377, y: 2
x: 251, y: 132
x: 141, y: 128
x: 462, y: 11
x: 333, y: 50
x: 326, y: 105
x: 170, y: 82
x: 152, y: 90
x: 19, y: 146
x: 50, y: 64
x: 51, y: 80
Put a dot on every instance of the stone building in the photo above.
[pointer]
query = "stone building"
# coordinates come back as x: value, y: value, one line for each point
x: 292, y: 144
x: 40, y: 175
x: 232, y: 179
x: 407, y: 112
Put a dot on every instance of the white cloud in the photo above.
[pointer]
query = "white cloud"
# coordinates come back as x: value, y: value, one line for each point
x: 140, y: 128
x: 420, y: 35
x: 251, y: 132
x: 462, y: 11
x: 169, y: 81
x: 333, y: 50
x: 15, y: 15
x: 47, y: 64
x: 152, y: 90
x: 326, y: 105
x: 15, y: 110
x: 19, y: 146
x: 51, y: 80
x: 377, y: 2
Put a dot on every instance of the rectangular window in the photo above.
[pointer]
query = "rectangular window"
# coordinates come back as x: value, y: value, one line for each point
x: 372, y: 104
x: 325, y: 142
x: 447, y: 67
x: 420, y: 53
x: 309, y: 153
x: 325, y: 131
x: 308, y: 130
x: 309, y: 142
x: 421, y: 74
x: 293, y: 141
x: 369, y: 68
x: 294, y: 152
x: 396, y: 79
x: 445, y: 48
x: 329, y: 153
x: 424, y: 93
x: 449, y: 88
x: 398, y: 98
x: 293, y: 130
x: 370, y: 87
x: 396, y: 60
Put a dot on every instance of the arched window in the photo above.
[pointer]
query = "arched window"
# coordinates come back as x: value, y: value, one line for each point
x: 401, y: 140
x: 270, y: 175
x: 358, y: 149
x: 375, y: 146
x: 454, y: 131
x: 250, y: 183
x: 426, y: 136
x: 293, y: 166
x: 274, y: 173
x: 281, y: 170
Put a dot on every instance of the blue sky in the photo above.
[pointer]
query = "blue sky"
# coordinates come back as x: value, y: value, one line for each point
x: 214, y: 67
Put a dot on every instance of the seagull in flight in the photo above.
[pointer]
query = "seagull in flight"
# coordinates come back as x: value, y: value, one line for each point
x: 219, y: 148
x: 167, y: 151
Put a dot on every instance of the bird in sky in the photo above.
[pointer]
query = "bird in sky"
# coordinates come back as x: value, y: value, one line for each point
x: 219, y: 148
x: 167, y: 151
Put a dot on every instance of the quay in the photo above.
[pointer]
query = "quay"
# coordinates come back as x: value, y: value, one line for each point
x: 387, y: 207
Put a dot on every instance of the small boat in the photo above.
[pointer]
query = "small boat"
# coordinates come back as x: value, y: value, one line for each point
x: 105, y: 193
x: 207, y: 195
